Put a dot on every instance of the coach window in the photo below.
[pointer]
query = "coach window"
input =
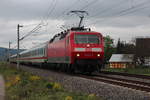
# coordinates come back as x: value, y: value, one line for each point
x: 43, y: 51
x: 34, y: 52
x: 39, y: 51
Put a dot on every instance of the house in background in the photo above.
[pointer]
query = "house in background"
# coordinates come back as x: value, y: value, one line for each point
x: 121, y: 61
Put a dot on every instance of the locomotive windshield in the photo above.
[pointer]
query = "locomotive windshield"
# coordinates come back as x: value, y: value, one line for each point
x: 86, y: 38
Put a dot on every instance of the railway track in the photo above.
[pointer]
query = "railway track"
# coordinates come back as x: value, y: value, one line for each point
x: 138, y: 85
x: 126, y: 74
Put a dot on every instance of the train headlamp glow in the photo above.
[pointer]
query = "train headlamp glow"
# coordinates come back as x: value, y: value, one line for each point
x: 79, y: 49
x: 98, y: 55
x: 88, y: 45
x: 97, y: 49
x: 78, y: 55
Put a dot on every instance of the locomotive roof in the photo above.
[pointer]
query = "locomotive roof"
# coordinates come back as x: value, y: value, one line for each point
x: 85, y: 31
x: 81, y: 29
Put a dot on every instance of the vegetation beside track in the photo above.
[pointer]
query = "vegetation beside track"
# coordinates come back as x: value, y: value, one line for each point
x: 22, y: 85
x: 137, y: 70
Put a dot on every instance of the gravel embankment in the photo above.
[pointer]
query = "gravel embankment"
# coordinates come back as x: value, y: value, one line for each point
x: 106, y: 91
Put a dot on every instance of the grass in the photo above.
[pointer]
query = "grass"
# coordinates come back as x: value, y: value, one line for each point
x: 136, y: 70
x: 22, y: 85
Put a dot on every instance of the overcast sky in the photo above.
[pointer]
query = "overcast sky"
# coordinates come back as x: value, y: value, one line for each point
x: 124, y: 19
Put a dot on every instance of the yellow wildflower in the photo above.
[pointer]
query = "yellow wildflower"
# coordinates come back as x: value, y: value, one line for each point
x: 32, y: 78
x: 68, y: 98
x: 57, y: 86
x: 8, y: 84
x: 16, y: 79
x: 91, y: 96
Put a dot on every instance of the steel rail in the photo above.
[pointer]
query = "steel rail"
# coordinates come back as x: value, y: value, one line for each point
x: 126, y: 74
x: 119, y: 83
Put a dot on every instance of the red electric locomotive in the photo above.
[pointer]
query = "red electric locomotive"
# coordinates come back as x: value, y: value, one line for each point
x: 77, y: 49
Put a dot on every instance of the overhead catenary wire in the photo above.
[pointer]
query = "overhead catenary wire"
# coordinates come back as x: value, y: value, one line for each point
x: 29, y: 25
x: 65, y: 11
x: 95, y: 1
x: 89, y: 4
x: 75, y: 3
x: 32, y: 31
x: 63, y: 14
x: 50, y: 11
x: 41, y: 23
x: 109, y: 8
x: 133, y: 10
x: 125, y: 11
x: 39, y: 26
x: 78, y: 1
x: 71, y: 6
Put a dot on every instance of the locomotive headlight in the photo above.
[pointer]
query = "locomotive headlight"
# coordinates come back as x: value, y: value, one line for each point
x: 98, y: 55
x: 79, y: 49
x: 78, y: 55
x: 97, y: 49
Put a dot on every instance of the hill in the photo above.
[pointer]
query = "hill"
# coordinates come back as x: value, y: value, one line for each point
x: 4, y: 53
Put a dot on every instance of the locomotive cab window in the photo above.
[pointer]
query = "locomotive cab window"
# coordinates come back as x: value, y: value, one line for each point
x: 86, y: 38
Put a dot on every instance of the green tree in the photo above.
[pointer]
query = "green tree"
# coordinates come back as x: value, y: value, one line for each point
x: 109, y: 48
x: 118, y: 48
x: 125, y: 48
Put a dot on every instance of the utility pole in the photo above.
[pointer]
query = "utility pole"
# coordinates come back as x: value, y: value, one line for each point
x: 18, y: 44
x: 9, y: 52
